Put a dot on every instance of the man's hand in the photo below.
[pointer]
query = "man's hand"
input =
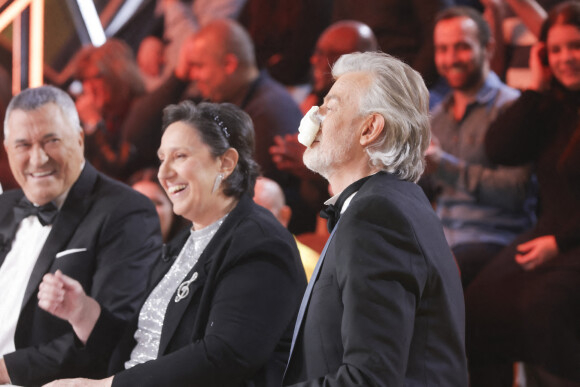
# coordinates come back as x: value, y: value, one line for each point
x: 4, y: 377
x: 432, y: 156
x: 183, y: 68
x: 536, y: 252
x: 65, y: 298
x: 540, y: 71
x: 287, y: 154
x: 89, y: 113
x: 81, y: 383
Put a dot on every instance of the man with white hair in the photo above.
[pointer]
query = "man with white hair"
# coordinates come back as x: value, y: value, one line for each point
x: 384, y: 306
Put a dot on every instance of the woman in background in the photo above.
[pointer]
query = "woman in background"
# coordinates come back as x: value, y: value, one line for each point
x: 146, y: 182
x: 525, y: 305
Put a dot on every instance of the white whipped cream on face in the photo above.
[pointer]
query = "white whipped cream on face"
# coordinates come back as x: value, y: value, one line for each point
x: 309, y: 126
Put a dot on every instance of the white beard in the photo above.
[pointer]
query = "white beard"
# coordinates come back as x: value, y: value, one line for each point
x: 323, y: 160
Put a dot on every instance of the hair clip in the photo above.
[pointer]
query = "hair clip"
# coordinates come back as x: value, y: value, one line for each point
x: 221, y: 124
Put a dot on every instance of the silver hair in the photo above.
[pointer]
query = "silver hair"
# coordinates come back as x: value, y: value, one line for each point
x: 31, y: 99
x: 398, y: 93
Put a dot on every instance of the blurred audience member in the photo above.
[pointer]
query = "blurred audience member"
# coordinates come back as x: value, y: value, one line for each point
x: 404, y: 28
x: 111, y: 83
x: 342, y: 37
x: 151, y: 61
x: 482, y: 206
x: 269, y: 195
x: 225, y: 294
x: 146, y: 182
x: 525, y: 305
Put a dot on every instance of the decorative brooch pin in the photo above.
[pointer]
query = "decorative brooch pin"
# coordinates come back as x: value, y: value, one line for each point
x: 183, y: 289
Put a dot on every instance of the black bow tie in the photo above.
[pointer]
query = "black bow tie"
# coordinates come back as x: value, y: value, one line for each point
x: 45, y: 213
x: 332, y: 212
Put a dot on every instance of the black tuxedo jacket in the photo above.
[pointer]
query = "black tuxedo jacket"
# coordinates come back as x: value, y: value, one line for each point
x: 108, y: 236
x: 235, y: 326
x: 387, y: 307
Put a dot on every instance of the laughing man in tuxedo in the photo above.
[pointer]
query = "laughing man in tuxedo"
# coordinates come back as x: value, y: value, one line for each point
x: 384, y: 307
x: 68, y: 217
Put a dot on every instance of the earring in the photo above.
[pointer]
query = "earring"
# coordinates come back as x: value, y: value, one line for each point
x: 218, y: 181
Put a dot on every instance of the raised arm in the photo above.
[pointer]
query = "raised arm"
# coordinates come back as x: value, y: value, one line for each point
x: 531, y: 13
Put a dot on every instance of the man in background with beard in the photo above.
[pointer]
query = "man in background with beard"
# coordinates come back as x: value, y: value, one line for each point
x: 482, y: 206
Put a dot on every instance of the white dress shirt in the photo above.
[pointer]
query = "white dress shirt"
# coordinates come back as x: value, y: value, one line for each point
x: 15, y: 273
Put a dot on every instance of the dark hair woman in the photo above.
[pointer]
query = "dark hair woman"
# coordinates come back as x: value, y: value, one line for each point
x: 225, y: 293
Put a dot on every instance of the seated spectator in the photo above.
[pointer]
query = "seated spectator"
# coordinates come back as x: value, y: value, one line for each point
x: 151, y: 61
x: 225, y: 295
x: 111, y: 84
x: 269, y: 195
x: 342, y: 37
x: 384, y: 306
x: 482, y: 206
x: 145, y: 181
x: 525, y: 305
x: 68, y: 217
x: 182, y: 18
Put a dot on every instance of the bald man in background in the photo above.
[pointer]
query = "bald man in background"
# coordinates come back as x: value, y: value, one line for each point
x: 268, y: 194
x: 343, y: 37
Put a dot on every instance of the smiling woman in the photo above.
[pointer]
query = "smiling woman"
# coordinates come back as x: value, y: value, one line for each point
x: 225, y: 293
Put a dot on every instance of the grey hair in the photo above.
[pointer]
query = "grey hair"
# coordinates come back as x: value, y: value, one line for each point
x: 398, y: 93
x: 32, y: 99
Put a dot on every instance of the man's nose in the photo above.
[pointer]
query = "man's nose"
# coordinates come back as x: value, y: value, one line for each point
x: 38, y: 156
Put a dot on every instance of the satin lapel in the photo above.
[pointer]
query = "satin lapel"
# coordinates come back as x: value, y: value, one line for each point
x: 307, y: 294
x: 72, y: 213
x: 7, y: 226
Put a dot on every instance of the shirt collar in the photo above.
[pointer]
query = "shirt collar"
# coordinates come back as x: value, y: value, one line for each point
x: 333, y: 200
x: 484, y: 96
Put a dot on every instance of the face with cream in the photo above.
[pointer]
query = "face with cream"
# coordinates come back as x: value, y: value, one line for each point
x: 309, y: 126
x: 331, y: 132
